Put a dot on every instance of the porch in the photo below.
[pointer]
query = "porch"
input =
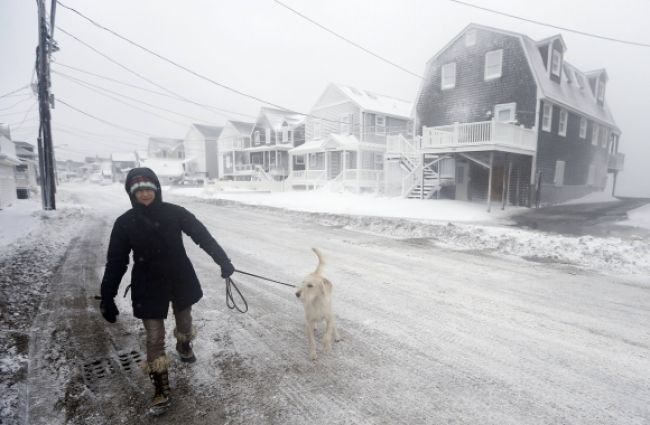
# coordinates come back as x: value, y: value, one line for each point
x: 478, y: 136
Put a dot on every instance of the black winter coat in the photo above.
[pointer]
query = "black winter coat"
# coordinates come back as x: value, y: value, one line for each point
x: 162, y: 272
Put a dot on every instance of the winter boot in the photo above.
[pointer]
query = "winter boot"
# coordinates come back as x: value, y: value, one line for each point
x: 160, y: 379
x: 184, y: 345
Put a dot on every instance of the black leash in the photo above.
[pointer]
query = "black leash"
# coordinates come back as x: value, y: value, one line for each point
x: 230, y: 283
x: 265, y: 278
x: 230, y: 301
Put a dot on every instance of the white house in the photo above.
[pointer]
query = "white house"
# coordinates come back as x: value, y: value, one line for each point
x: 346, y: 135
x: 201, y: 151
x: 8, y: 162
x: 234, y: 158
x: 165, y: 147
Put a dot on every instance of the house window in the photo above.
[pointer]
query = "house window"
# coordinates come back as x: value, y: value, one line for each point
x: 594, y: 134
x: 583, y: 128
x: 346, y: 124
x: 380, y: 124
x: 379, y: 161
x: 267, y: 137
x: 256, y: 137
x: 564, y: 116
x: 558, y: 180
x: 448, y: 76
x: 603, y: 136
x: 318, y: 128
x: 580, y: 81
x: 300, y: 160
x: 470, y: 38
x: 556, y: 62
x: 285, y: 134
x: 505, y: 112
x: 600, y: 90
x: 547, y: 116
x: 493, y: 62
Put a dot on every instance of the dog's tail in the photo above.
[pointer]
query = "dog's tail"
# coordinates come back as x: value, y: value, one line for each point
x: 321, y: 262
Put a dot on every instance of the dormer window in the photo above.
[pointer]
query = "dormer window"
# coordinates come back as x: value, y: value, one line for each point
x: 448, y: 76
x: 600, y: 90
x: 556, y: 62
x: 470, y: 38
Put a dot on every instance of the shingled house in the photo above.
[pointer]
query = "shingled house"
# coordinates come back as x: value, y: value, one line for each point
x: 510, y: 120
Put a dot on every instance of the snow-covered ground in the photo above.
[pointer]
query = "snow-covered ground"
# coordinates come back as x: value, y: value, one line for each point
x: 475, y: 296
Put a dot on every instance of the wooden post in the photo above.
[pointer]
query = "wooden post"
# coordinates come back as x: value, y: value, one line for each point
x: 506, y: 185
x: 489, y: 194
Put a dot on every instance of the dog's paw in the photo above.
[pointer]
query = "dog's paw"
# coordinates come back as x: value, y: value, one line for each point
x: 313, y: 356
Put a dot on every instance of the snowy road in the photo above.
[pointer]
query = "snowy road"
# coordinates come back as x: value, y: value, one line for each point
x: 430, y: 335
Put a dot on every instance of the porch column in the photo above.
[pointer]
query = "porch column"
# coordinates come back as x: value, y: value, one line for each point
x: 489, y: 194
x: 422, y: 178
x: 359, y: 152
x: 508, y: 185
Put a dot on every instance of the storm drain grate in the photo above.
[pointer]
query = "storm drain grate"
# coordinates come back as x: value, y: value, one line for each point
x: 129, y: 360
x: 98, y: 369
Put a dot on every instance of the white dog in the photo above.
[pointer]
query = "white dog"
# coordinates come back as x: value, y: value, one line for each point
x: 315, y: 292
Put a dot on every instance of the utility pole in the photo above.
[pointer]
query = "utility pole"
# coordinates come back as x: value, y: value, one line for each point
x: 45, y: 149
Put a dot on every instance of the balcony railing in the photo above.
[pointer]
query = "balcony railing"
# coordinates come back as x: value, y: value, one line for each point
x: 477, y: 135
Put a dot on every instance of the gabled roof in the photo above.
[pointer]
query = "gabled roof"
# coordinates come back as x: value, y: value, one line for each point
x: 244, y: 128
x: 373, y: 102
x: 567, y: 93
x: 551, y: 39
x: 166, y: 142
x: 208, y: 131
x: 277, y: 117
x: 597, y: 73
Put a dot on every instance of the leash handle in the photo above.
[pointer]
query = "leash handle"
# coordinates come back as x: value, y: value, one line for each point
x: 230, y: 300
x: 264, y: 278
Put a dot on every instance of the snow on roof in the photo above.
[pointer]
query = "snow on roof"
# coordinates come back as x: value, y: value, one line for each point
x: 336, y: 142
x: 377, y: 102
x: 277, y: 117
x: 568, y: 92
x: 5, y: 131
x: 165, y: 167
x: 245, y: 128
x: 209, y: 131
x: 123, y: 157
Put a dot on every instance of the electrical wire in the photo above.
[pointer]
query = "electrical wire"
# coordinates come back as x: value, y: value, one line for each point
x: 14, y: 91
x: 347, y: 40
x: 153, y: 91
x: 29, y: 96
x: 127, y: 129
x: 602, y: 37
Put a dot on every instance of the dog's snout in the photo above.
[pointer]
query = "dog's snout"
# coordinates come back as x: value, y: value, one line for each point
x: 298, y: 294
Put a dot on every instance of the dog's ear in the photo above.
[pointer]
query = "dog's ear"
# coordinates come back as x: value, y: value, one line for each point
x: 321, y: 287
x: 327, y: 283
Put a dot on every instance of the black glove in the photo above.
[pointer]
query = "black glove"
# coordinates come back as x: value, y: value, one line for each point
x: 108, y: 309
x: 227, y: 269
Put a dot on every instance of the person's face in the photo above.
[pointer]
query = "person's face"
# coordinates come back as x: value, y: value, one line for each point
x: 145, y: 196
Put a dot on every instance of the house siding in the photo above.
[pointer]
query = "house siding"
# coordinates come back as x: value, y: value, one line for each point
x: 330, y: 118
x: 473, y: 99
x: 577, y: 153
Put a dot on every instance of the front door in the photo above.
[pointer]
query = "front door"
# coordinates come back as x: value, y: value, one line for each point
x: 462, y: 181
x: 334, y: 164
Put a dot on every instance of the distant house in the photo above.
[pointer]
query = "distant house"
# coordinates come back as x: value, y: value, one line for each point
x: 121, y: 164
x: 233, y: 151
x: 169, y: 170
x: 165, y: 147
x: 346, y: 132
x: 8, y: 162
x: 201, y: 151
x: 275, y: 132
x: 504, y: 117
x: 140, y: 157
x: 26, y: 171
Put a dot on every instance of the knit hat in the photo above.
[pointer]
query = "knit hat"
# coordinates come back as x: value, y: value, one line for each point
x: 141, y: 182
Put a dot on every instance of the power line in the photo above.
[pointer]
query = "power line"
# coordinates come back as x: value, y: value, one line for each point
x: 176, y: 64
x: 29, y: 96
x: 25, y: 117
x: 347, y: 40
x: 14, y: 91
x: 153, y: 91
x: 87, y: 86
x: 127, y: 129
x: 90, y: 86
x: 602, y: 37
x: 137, y: 74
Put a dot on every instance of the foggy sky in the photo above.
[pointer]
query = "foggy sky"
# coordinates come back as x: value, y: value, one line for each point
x: 260, y: 48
